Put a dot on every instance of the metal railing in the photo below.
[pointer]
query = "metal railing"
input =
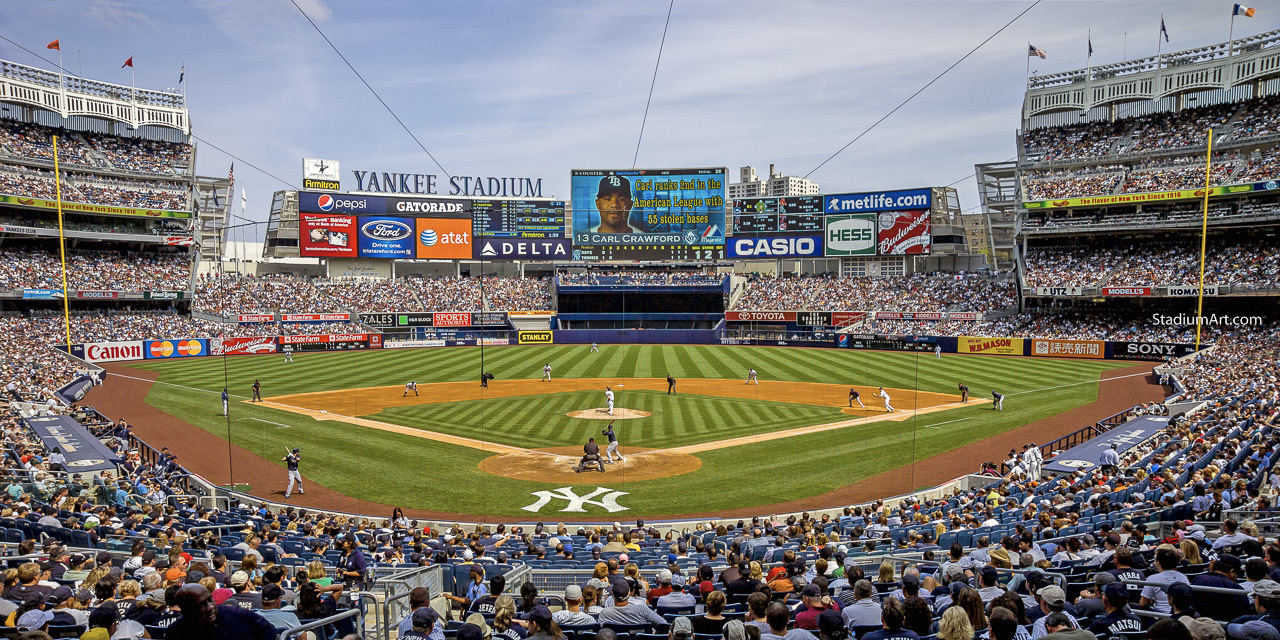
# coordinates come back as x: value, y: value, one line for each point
x: 316, y: 624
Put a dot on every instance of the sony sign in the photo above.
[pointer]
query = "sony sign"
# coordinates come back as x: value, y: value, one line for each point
x: 776, y: 247
x: 426, y: 184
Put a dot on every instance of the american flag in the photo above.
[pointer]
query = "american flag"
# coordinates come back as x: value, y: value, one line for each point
x: 231, y: 174
x: 1041, y: 53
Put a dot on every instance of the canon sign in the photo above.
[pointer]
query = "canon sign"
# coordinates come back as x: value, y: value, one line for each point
x: 113, y: 351
x: 779, y: 247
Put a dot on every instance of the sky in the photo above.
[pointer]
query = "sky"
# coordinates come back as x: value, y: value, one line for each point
x: 535, y: 89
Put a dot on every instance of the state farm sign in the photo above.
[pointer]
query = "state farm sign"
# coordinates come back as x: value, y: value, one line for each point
x: 113, y: 351
x: 456, y: 319
x: 337, y: 337
x: 760, y: 316
x: 315, y: 317
x: 255, y: 318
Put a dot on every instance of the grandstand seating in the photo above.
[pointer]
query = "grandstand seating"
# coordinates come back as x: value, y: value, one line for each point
x: 1253, y: 264
x: 937, y: 291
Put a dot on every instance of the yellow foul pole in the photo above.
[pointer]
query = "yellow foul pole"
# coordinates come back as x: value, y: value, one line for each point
x: 62, y: 245
x: 1204, y: 235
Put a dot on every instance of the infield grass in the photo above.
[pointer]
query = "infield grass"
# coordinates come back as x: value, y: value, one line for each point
x: 410, y: 472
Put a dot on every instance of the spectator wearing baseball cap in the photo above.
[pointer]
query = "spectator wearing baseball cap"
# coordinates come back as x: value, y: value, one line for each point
x: 1266, y: 602
x: 63, y: 612
x: 34, y: 620
x: 244, y: 597
x: 678, y: 598
x: 1252, y: 630
x: 422, y: 623
x: 572, y: 613
x: 1117, y: 620
x: 815, y: 602
x: 272, y: 598
x: 663, y: 587
x: 1224, y: 573
x: 1052, y: 599
x: 542, y: 627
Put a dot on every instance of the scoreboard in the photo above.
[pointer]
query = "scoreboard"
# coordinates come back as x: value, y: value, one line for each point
x: 679, y: 252
x: 790, y: 214
x: 518, y: 218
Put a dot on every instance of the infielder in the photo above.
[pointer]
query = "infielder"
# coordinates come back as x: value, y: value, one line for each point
x: 257, y: 391
x: 546, y: 373
x: 937, y: 350
x: 291, y: 461
x: 964, y: 393
x: 410, y: 386
x: 613, y: 443
x: 999, y: 401
x: 671, y: 384
x: 594, y: 348
x: 226, y: 397
x: 288, y: 353
x: 608, y: 397
x: 751, y: 377
x: 854, y: 396
x: 885, y: 395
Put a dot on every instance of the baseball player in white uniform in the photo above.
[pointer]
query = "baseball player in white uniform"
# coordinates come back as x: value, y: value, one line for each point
x: 613, y: 442
x: 1037, y: 460
x: 410, y: 386
x: 288, y: 353
x: 291, y: 461
x: 937, y: 350
x: 546, y: 373
x: 608, y: 397
x: 885, y: 396
x: 594, y: 348
x: 751, y: 377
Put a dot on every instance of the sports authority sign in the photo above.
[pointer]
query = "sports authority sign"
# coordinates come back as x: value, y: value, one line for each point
x: 238, y: 346
x: 113, y: 351
x: 760, y: 316
x: 451, y: 319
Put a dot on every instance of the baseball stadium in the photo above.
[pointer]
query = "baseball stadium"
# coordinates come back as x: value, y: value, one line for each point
x: 680, y: 402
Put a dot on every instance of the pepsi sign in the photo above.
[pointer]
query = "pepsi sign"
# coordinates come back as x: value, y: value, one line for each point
x: 339, y: 203
x: 385, y: 237
x: 776, y: 247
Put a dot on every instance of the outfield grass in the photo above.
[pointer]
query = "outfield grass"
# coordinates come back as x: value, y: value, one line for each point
x: 416, y: 473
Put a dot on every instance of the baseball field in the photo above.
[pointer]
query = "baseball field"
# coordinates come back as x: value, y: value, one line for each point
x: 509, y: 451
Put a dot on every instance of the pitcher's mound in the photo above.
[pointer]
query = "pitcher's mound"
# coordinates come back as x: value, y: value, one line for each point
x: 602, y: 413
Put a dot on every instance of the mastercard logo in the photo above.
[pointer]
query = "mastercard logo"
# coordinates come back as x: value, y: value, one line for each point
x: 179, y: 348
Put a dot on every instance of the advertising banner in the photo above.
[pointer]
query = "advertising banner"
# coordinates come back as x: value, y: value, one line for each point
x: 1192, y: 291
x: 879, y: 201
x: 523, y: 249
x: 113, y: 351
x: 340, y: 203
x: 998, y: 346
x: 319, y: 339
x: 410, y: 344
x: 375, y: 341
x: 74, y: 391
x: 385, y: 237
x: 1126, y: 291
x: 775, y: 247
x: 841, y: 318
x: 451, y: 319
x: 1156, y: 196
x: 442, y: 238
x: 904, y: 233
x: 1150, y: 350
x: 315, y: 317
x: 648, y: 206
x: 326, y: 236
x: 813, y: 318
x: 98, y: 295
x: 84, y: 452
x: 851, y: 235
x: 494, y: 342
x: 79, y: 207
x: 760, y: 316
x: 1057, y: 291
x: 1092, y: 349
x: 189, y: 348
x: 41, y: 294
x: 255, y: 318
x: 239, y: 346
x: 968, y: 316
x: 908, y: 315
x: 164, y: 295
x: 534, y: 337
x: 179, y: 241
x: 1088, y: 455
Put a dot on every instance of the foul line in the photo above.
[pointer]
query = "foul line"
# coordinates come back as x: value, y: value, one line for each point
x: 1076, y: 384
x: 935, y: 426
x: 278, y: 425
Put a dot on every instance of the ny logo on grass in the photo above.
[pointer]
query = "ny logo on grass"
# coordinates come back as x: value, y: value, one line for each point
x: 608, y: 499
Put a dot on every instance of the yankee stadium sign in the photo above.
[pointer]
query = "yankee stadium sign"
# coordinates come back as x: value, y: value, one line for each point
x: 427, y: 184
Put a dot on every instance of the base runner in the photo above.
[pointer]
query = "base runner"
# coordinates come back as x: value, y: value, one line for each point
x: 885, y: 396
x: 854, y: 396
x: 613, y: 443
x: 291, y: 460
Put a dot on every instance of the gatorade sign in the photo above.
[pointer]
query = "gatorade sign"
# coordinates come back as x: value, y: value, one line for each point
x: 851, y: 235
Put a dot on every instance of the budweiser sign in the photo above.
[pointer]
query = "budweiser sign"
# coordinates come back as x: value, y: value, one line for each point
x: 237, y: 346
x: 760, y: 316
x: 179, y: 241
x: 315, y: 317
x: 455, y: 319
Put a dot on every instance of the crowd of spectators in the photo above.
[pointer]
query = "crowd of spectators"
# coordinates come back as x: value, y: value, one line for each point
x: 1239, y: 264
x: 1171, y: 130
x: 33, y: 182
x: 933, y: 291
x: 1178, y: 177
x: 95, y: 270
x: 1069, y: 142
x: 78, y: 148
x: 1260, y: 118
x: 1072, y: 183
x: 229, y: 295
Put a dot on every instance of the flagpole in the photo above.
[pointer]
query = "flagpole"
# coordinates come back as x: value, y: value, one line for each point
x: 62, y: 244
x: 1231, y: 46
x: 1204, y: 235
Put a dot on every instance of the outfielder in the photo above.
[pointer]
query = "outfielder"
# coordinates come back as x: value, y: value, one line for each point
x: 964, y: 393
x: 854, y: 396
x: 226, y: 397
x: 885, y: 395
x: 999, y: 401
x: 291, y: 461
x: 410, y: 386
x: 546, y: 373
x: 751, y: 377
x: 937, y: 350
x: 288, y: 353
x: 594, y: 348
x: 257, y: 391
x: 608, y: 396
x: 613, y: 444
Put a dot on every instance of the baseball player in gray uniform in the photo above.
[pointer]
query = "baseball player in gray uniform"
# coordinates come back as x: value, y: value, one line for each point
x: 291, y: 461
x: 613, y: 443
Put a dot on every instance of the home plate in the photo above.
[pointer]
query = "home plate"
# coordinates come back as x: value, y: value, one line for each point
x: 602, y: 413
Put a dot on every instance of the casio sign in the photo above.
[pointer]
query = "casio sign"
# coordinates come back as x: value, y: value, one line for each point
x: 386, y: 230
x: 776, y: 247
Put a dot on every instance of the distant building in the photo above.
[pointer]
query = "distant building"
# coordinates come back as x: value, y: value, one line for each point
x: 751, y: 186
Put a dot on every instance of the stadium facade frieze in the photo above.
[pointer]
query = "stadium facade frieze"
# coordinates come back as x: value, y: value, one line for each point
x: 1154, y: 196
x: 1163, y: 291
x: 93, y: 294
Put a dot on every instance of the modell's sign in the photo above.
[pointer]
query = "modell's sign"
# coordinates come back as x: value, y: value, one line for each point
x: 113, y: 351
x: 97, y: 295
x: 237, y: 346
x: 760, y: 316
x: 456, y: 319
x: 315, y: 317
x: 336, y: 337
x: 1126, y: 291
